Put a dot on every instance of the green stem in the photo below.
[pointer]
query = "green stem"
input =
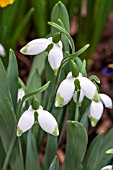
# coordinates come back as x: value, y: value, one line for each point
x: 77, y: 112
x: 9, y: 151
x: 22, y: 84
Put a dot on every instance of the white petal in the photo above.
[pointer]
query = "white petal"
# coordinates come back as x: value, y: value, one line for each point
x: 109, y: 167
x: 81, y: 97
x: 21, y: 93
x: 26, y: 121
x: 55, y: 57
x: 69, y: 75
x: 95, y: 112
x: 64, y: 92
x: 36, y: 46
x: 106, y: 100
x: 60, y: 44
x: 2, y: 51
x: 88, y: 88
x: 48, y: 122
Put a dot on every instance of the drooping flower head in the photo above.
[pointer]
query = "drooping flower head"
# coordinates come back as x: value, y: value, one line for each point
x: 37, y: 46
x: 66, y: 90
x: 46, y: 121
x: 96, y: 109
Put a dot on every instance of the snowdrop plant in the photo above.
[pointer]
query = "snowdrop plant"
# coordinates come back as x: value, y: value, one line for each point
x: 66, y: 92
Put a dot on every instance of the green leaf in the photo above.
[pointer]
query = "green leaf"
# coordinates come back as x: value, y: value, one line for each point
x: 3, y: 81
x: 33, y: 83
x: 50, y: 151
x: 55, y: 164
x: 93, y: 154
x: 12, y: 78
x: 21, y: 26
x: 59, y: 12
x: 38, y: 63
x: 76, y: 145
x: 96, y: 154
x: 2, y: 153
x: 16, y: 160
x: 7, y: 120
x: 31, y: 153
x: 40, y: 16
x: 107, y: 144
x: 94, y: 78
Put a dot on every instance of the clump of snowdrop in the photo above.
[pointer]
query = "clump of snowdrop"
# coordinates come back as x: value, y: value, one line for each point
x: 55, y: 54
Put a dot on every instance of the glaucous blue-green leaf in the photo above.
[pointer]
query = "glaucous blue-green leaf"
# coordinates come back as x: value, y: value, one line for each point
x: 7, y: 120
x: 107, y: 144
x: 96, y: 154
x: 93, y: 154
x: 31, y: 153
x: 50, y: 151
x: 3, y: 81
x: 2, y: 154
x: 76, y: 145
x: 16, y: 159
x: 38, y: 63
x: 60, y: 12
x: 55, y: 164
x: 33, y: 83
x: 12, y: 78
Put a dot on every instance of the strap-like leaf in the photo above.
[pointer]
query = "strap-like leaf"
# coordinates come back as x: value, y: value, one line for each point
x: 54, y: 165
x: 76, y: 145
x: 12, y: 78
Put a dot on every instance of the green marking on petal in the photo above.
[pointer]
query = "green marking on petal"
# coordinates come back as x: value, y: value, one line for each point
x: 59, y: 100
x: 24, y: 49
x: 93, y: 121
x: 19, y: 131
x: 56, y: 131
x: 96, y: 97
x: 55, y: 71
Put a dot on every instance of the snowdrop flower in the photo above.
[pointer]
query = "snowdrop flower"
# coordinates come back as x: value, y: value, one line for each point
x: 37, y: 46
x: 46, y: 121
x: 2, y: 51
x: 66, y: 90
x: 96, y: 109
x: 109, y: 167
x: 4, y: 3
